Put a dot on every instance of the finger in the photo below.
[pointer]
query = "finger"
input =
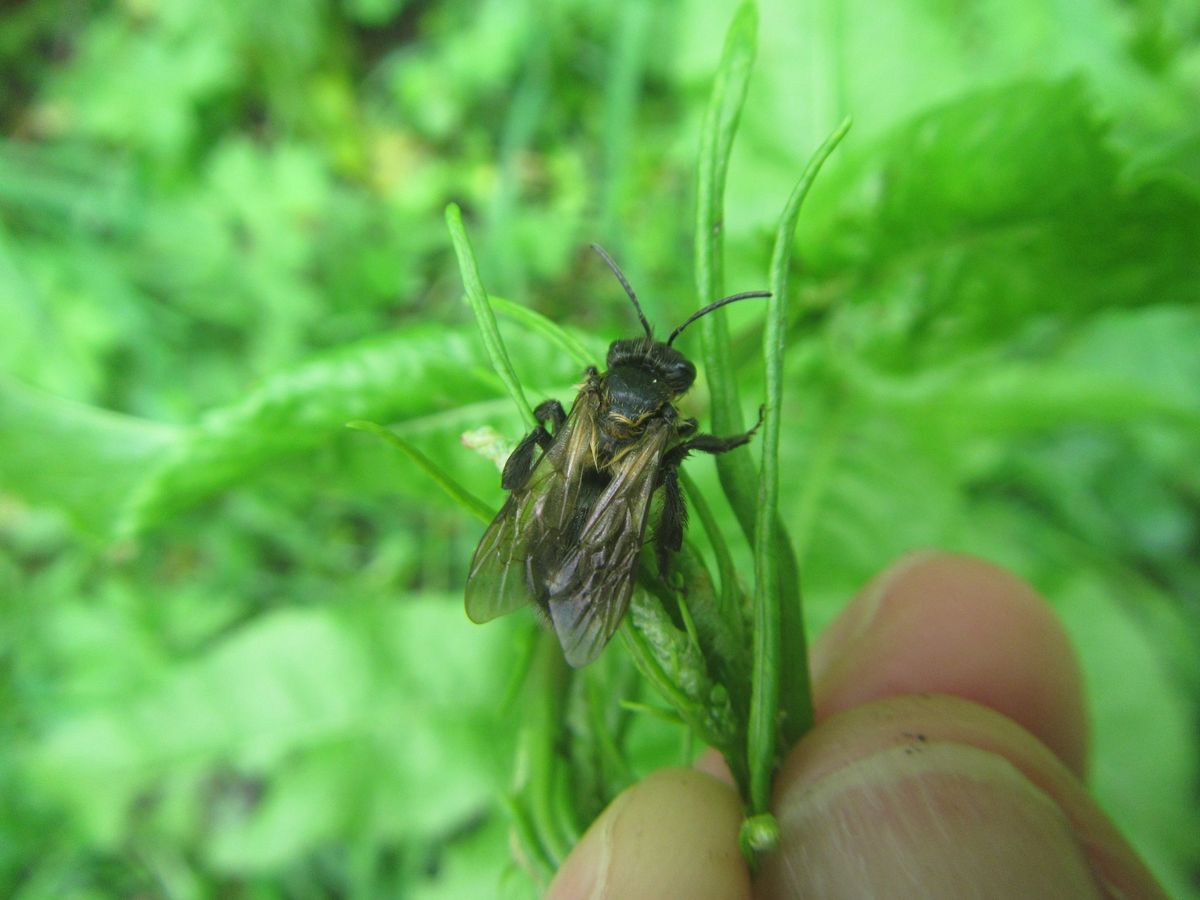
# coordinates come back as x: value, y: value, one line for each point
x: 937, y: 797
x: 674, y: 834
x: 940, y: 623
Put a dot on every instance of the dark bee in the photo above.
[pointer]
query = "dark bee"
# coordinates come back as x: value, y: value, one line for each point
x: 570, y: 534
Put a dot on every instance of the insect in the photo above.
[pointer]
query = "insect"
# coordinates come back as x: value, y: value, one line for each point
x: 570, y: 534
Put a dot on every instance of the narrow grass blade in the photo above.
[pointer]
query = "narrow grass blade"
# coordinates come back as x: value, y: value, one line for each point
x: 538, y: 743
x: 613, y: 766
x: 655, y: 712
x: 549, y: 329
x: 484, y: 316
x: 525, y: 835
x: 716, y: 142
x: 781, y: 691
x: 724, y: 627
x: 728, y: 592
x: 457, y: 492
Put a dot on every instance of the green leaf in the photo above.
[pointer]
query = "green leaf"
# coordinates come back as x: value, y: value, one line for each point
x: 679, y: 671
x: 484, y: 317
x: 82, y: 460
x: 540, y: 767
x: 349, y: 714
x: 716, y: 143
x: 401, y: 376
x: 120, y: 475
x: 780, y: 702
x: 478, y: 864
x: 729, y: 625
x: 983, y: 219
x: 584, y: 352
x: 461, y: 495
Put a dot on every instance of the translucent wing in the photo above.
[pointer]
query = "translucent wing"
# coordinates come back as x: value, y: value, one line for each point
x: 534, y: 520
x: 588, y: 591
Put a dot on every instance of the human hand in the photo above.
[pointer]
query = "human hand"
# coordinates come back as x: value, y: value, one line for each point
x: 946, y: 762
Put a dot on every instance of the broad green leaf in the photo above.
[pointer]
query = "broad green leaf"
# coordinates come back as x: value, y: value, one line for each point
x: 884, y: 66
x: 466, y: 500
x: 983, y: 219
x: 120, y: 475
x: 82, y: 460
x: 342, y: 710
x: 407, y: 375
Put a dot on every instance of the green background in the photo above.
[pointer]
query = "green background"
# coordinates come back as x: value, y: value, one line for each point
x: 233, y: 657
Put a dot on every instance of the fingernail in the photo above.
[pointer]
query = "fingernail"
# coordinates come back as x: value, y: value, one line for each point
x: 931, y: 820
x: 856, y: 619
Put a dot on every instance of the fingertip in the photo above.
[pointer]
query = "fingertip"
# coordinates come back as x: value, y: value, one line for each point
x: 952, y: 624
x: 944, y: 796
x: 674, y: 834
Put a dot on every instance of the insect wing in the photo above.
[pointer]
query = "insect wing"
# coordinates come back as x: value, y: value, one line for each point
x: 496, y: 584
x: 531, y: 520
x: 590, y: 590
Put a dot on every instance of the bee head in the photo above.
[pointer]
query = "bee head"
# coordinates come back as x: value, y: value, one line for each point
x: 663, y: 363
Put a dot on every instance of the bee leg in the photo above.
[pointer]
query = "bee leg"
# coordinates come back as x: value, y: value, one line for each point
x: 668, y: 537
x: 520, y: 462
x: 708, y: 443
x: 550, y: 411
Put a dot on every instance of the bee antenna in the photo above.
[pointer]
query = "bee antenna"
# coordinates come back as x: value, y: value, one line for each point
x: 616, y: 270
x: 717, y: 304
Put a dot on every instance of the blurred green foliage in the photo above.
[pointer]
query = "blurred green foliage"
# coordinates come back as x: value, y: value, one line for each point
x: 233, y: 658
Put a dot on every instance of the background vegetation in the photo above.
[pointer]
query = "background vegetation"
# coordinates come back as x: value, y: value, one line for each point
x: 233, y: 657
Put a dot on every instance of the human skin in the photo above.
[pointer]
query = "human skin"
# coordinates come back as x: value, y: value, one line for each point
x: 947, y: 761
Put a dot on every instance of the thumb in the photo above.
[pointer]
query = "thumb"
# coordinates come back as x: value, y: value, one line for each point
x: 936, y: 797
